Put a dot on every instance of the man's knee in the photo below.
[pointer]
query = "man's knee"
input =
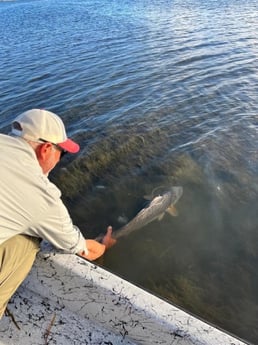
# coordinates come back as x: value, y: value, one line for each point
x: 17, y: 256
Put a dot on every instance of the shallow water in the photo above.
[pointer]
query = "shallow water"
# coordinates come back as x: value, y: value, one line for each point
x: 158, y: 93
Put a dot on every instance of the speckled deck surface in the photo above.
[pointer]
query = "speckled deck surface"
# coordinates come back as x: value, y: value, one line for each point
x: 42, y: 322
x: 68, y: 300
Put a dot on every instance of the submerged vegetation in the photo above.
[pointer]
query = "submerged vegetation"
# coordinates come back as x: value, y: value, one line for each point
x: 204, y: 260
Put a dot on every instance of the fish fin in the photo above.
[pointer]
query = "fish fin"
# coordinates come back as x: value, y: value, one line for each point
x: 172, y: 211
x: 161, y: 216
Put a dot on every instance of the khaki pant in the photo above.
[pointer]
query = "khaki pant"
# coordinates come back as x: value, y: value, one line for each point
x: 16, y: 259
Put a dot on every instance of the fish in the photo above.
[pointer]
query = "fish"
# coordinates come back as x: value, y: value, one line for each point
x: 156, y: 209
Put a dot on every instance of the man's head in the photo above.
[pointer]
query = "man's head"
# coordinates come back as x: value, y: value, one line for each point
x: 46, y: 129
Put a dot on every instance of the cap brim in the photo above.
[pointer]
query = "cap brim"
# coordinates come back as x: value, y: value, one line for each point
x: 69, y: 146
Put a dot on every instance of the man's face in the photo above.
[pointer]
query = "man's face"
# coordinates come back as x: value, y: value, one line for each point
x: 48, y: 155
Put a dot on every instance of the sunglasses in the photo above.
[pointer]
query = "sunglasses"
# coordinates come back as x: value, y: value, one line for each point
x: 63, y: 152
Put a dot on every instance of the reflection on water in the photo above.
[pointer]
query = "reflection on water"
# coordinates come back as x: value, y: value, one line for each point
x: 157, y: 93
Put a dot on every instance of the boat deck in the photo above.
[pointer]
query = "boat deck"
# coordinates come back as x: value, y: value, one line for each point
x: 68, y: 300
x: 42, y: 322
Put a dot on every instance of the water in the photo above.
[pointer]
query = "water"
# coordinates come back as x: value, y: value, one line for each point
x: 157, y: 93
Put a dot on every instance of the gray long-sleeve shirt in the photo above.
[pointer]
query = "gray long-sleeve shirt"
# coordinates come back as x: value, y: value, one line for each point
x: 29, y: 203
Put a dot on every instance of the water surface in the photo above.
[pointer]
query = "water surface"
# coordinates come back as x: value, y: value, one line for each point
x: 158, y: 93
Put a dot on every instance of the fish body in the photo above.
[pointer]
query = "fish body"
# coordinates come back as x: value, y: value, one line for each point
x: 155, y: 210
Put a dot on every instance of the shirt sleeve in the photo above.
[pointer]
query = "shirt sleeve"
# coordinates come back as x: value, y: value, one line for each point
x: 55, y: 225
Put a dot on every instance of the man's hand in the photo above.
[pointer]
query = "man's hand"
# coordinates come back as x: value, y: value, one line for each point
x: 108, y: 240
x: 96, y: 249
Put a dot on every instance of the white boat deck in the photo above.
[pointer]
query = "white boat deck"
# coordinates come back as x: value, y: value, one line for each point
x: 42, y: 322
x: 68, y: 300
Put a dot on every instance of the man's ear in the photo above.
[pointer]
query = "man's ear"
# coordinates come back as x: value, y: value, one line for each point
x: 42, y: 151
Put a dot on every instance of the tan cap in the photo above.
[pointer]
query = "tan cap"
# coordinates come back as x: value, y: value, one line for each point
x: 39, y: 124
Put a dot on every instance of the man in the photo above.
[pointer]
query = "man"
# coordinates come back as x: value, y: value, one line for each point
x: 30, y: 205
